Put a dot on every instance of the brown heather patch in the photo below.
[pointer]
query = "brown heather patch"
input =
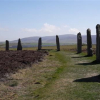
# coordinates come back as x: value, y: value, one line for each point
x: 26, y: 80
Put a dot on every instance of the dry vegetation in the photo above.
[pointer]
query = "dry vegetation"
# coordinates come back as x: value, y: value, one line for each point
x: 62, y: 75
x: 27, y: 80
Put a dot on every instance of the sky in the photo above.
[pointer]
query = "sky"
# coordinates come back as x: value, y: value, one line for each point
x: 26, y: 18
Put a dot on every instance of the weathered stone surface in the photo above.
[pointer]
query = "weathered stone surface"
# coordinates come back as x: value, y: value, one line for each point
x: 98, y: 42
x: 7, y: 45
x: 19, y: 46
x: 39, y: 44
x: 79, y: 43
x: 89, y: 43
x: 57, y: 43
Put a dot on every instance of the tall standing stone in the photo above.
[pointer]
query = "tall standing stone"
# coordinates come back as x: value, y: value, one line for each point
x: 57, y: 43
x: 19, y: 46
x: 79, y: 43
x: 7, y: 45
x: 39, y: 44
x: 98, y: 42
x: 89, y: 43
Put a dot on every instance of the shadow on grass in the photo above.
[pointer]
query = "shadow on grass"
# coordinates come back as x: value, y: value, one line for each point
x: 89, y: 79
x: 57, y: 50
x: 78, y: 57
x: 90, y: 63
x: 82, y: 56
x: 77, y: 53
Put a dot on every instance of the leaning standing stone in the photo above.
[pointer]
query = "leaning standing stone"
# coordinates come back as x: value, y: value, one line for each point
x: 7, y: 45
x: 89, y: 43
x: 57, y: 43
x: 98, y: 42
x: 19, y: 46
x: 79, y: 43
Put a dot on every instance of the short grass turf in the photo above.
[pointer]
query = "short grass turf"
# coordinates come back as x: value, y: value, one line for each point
x: 62, y: 75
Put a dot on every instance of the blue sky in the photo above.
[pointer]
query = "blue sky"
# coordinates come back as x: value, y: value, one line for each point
x: 26, y: 18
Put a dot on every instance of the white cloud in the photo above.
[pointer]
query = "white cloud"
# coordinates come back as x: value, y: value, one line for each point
x: 47, y: 28
x: 4, y: 29
x: 29, y: 30
x: 66, y: 26
x: 73, y: 30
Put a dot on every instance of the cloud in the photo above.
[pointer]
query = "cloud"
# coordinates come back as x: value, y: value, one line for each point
x: 29, y: 30
x: 4, y: 29
x: 73, y: 30
x: 47, y: 28
x: 66, y: 26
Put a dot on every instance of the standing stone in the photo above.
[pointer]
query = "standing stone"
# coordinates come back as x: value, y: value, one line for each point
x: 19, y: 46
x: 39, y: 44
x: 89, y: 43
x: 7, y: 45
x: 98, y: 42
x: 79, y: 43
x: 57, y: 43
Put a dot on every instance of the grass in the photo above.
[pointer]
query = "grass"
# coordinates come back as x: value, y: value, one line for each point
x: 62, y: 75
x: 63, y: 47
x: 47, y: 89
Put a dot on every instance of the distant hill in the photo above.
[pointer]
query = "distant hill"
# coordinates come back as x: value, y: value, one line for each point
x: 84, y: 39
x: 64, y: 39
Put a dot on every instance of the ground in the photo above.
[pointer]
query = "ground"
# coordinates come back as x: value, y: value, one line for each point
x: 62, y: 75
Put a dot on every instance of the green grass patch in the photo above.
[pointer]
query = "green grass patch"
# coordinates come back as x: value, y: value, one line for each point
x: 63, y: 75
x: 59, y: 56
